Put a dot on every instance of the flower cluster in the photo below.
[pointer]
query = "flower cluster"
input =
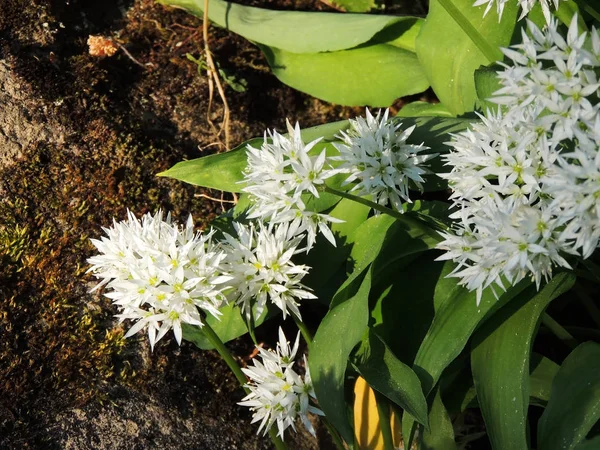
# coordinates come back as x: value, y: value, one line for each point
x: 279, y: 178
x: 526, y: 7
x: 525, y: 179
x: 160, y: 275
x: 374, y: 152
x: 277, y: 393
x: 259, y: 260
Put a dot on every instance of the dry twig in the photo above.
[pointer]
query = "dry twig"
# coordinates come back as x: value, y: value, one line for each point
x: 213, y: 79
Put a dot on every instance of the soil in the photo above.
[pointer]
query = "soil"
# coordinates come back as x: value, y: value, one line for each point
x: 81, y: 139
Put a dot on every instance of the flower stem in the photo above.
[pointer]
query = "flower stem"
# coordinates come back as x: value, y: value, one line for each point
x: 383, y: 408
x: 588, y: 303
x: 235, y: 368
x: 491, y: 53
x: 589, y: 9
x: 558, y: 331
x: 405, y: 218
x: 306, y: 334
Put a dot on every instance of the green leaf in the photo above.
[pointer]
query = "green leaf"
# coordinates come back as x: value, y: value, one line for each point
x: 574, y: 405
x: 424, y: 109
x: 450, y: 58
x: 373, y: 75
x: 434, y: 132
x: 542, y: 373
x: 500, y: 362
x: 340, y: 330
x: 440, y: 435
x: 486, y: 83
x: 292, y: 31
x: 456, y: 317
x: 224, y: 171
x: 325, y: 260
x: 387, y: 374
x: 355, y: 6
x: 406, y: 304
x: 230, y: 326
x: 460, y: 393
x: 592, y: 444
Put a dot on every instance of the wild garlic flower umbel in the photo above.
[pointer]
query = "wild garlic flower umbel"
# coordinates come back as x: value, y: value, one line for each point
x: 526, y: 7
x: 259, y: 260
x: 281, y: 176
x: 525, y: 179
x: 278, y: 394
x: 375, y: 154
x: 160, y: 275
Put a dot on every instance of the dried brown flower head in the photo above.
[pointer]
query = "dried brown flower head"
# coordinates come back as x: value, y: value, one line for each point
x: 101, y: 46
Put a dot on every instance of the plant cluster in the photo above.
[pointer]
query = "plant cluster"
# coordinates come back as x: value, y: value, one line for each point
x: 436, y: 304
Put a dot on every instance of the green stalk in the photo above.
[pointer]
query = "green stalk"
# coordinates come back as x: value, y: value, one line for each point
x: 383, y: 408
x: 558, y: 331
x: 589, y: 9
x: 304, y: 330
x: 306, y: 334
x: 588, y: 303
x: 235, y: 368
x: 405, y: 218
x: 491, y: 53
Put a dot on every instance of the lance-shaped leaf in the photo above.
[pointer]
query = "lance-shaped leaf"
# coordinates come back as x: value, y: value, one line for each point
x: 457, y: 315
x: 500, y: 362
x: 574, y: 405
x: 224, y: 171
x: 448, y: 55
x: 389, y: 376
x: 372, y: 75
x: 440, y: 435
x: 340, y: 330
x: 293, y: 31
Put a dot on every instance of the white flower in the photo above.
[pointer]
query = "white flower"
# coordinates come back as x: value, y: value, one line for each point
x: 160, y: 275
x: 374, y: 153
x: 278, y: 394
x: 281, y: 176
x: 526, y: 7
x: 525, y: 179
x: 260, y: 261
x: 501, y: 240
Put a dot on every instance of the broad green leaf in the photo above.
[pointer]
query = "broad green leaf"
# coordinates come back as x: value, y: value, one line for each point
x: 292, y: 31
x: 373, y: 75
x: 340, y: 330
x: 456, y: 318
x: 592, y: 444
x: 440, y: 435
x: 424, y: 109
x: 460, y: 394
x: 406, y: 304
x: 500, y: 362
x: 400, y: 34
x: 486, y: 83
x: 224, y: 171
x: 434, y: 132
x: 450, y: 58
x: 387, y: 374
x: 325, y: 260
x: 455, y: 321
x: 230, y: 326
x: 355, y: 6
x: 574, y: 405
x: 542, y: 373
